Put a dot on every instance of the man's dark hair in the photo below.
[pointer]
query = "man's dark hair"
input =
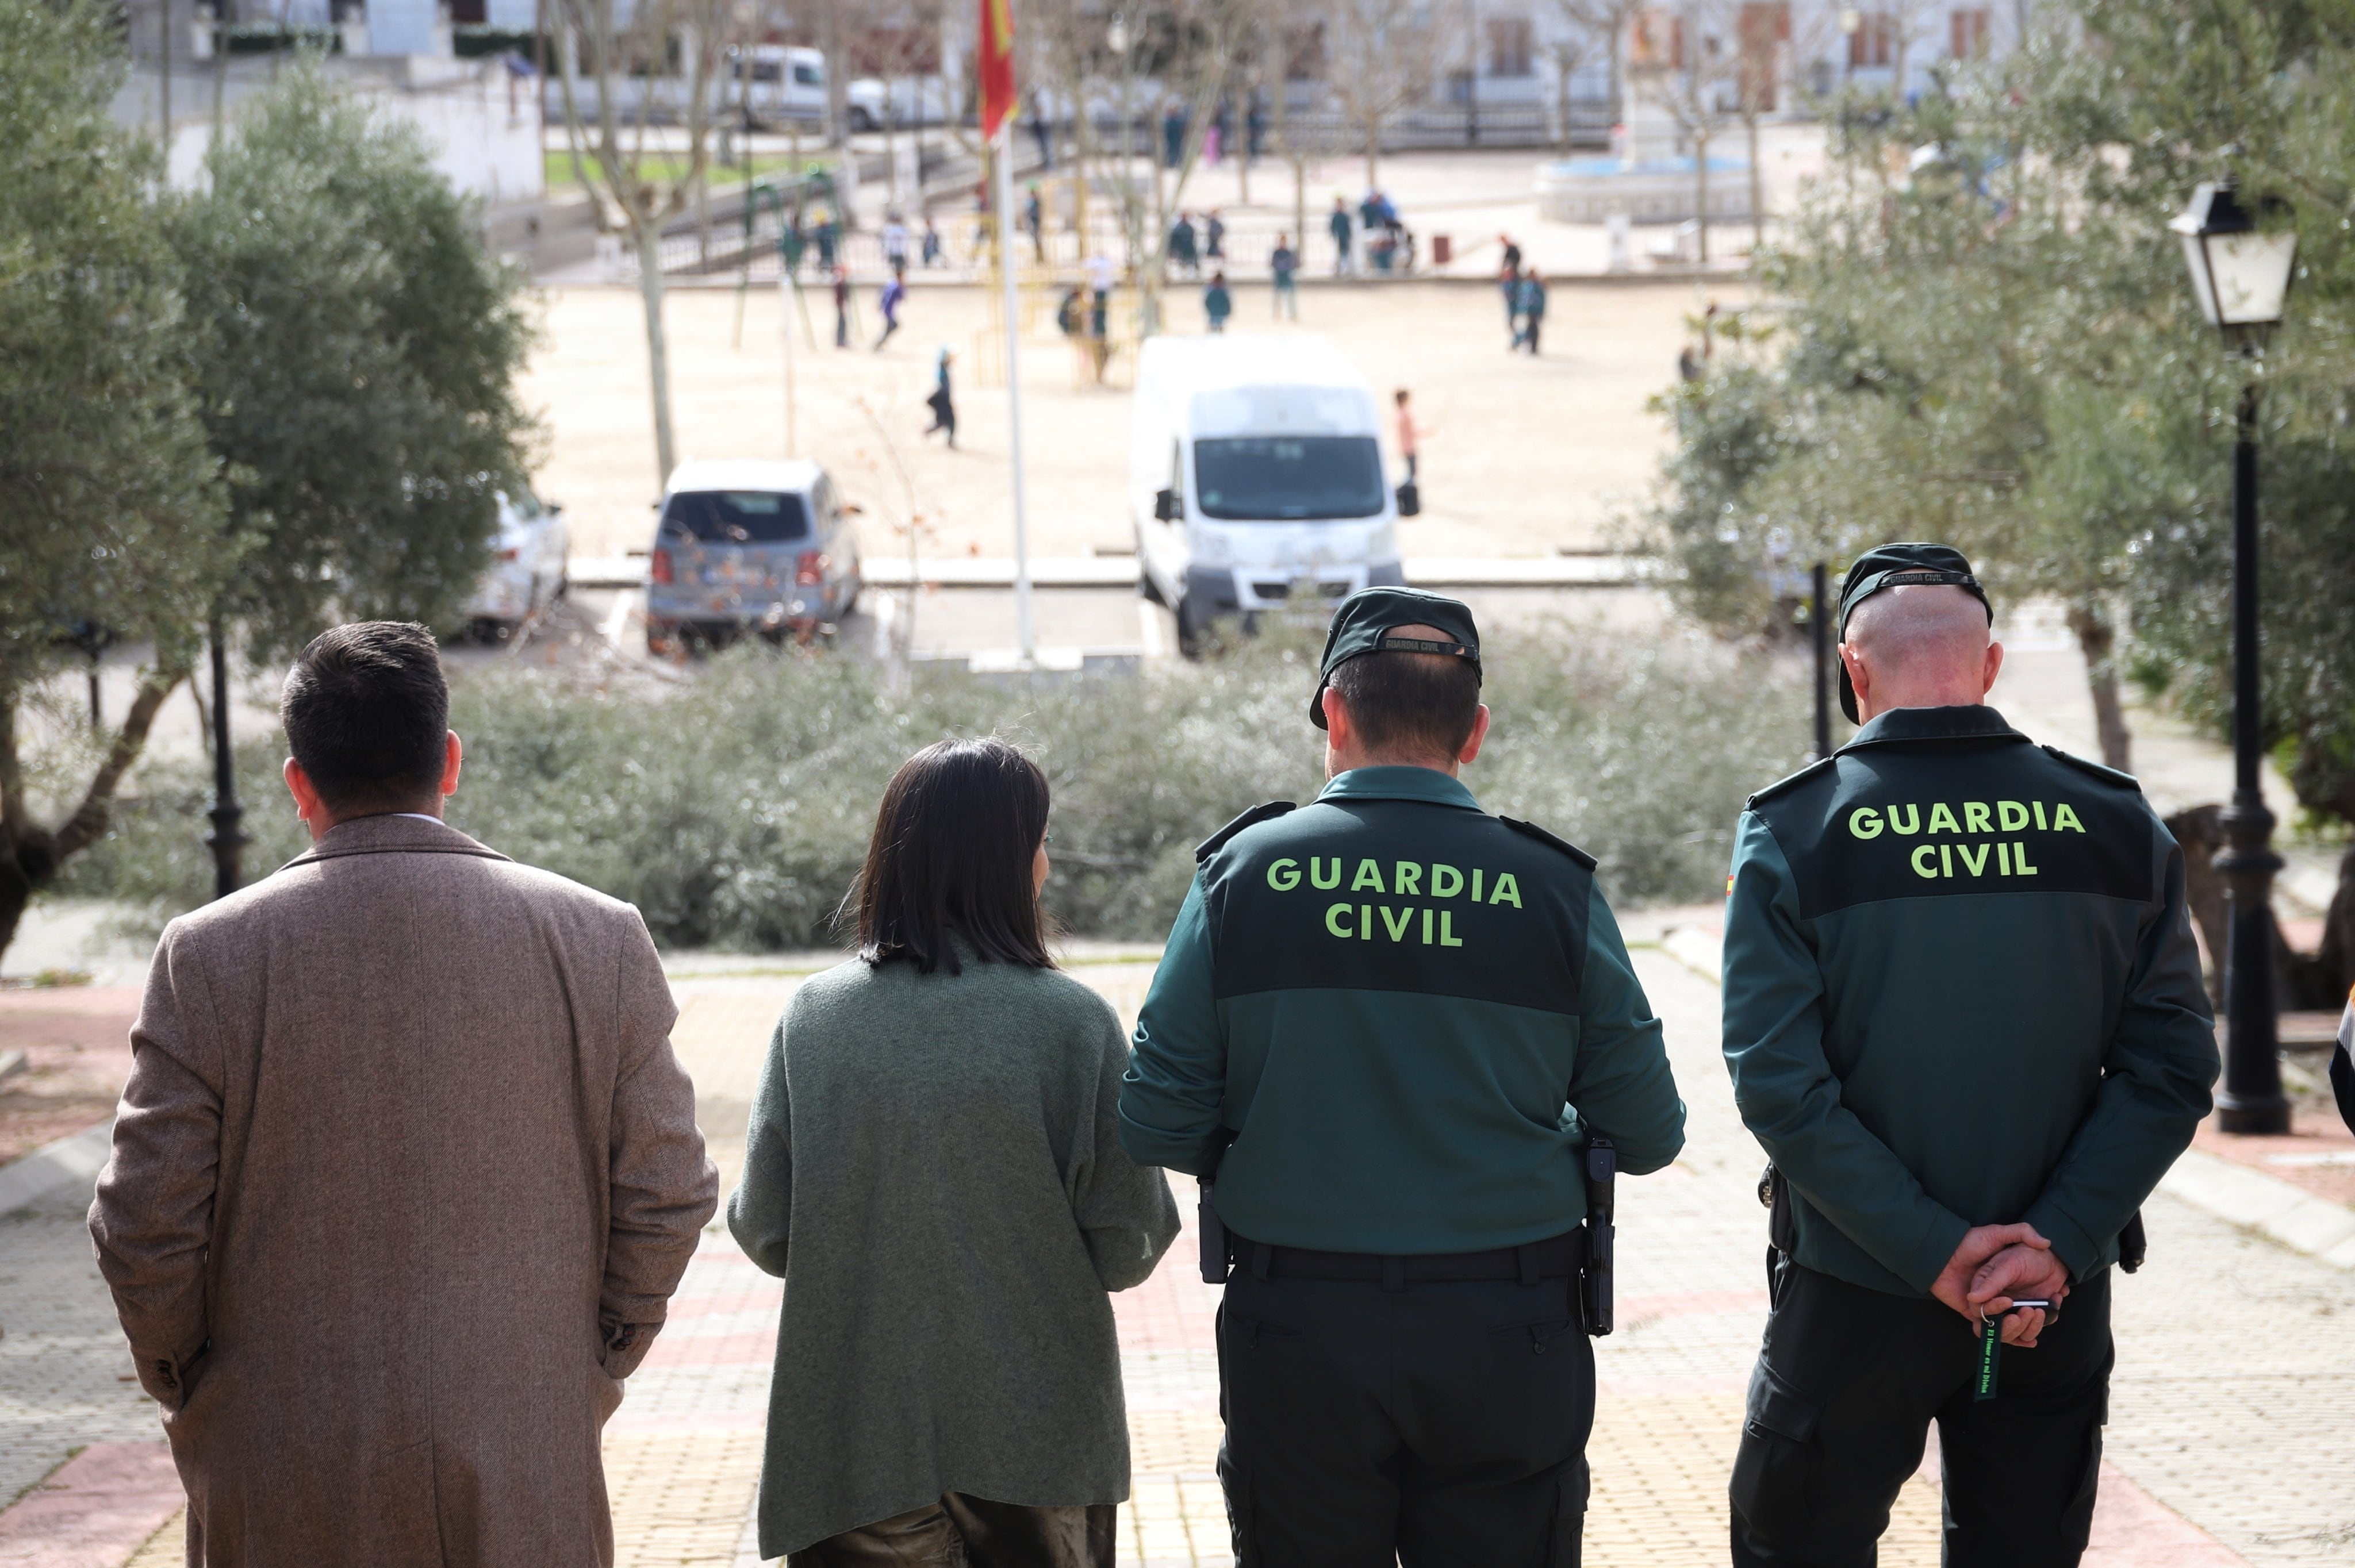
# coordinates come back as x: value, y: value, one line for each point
x: 1418, y: 704
x: 365, y: 709
x: 960, y: 825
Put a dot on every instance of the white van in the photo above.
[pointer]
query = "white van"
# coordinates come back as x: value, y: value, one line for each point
x: 1255, y: 479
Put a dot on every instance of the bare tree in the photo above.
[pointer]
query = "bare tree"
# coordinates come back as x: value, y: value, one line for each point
x: 668, y: 57
x: 1382, y: 57
x: 1685, y: 62
x: 1583, y: 29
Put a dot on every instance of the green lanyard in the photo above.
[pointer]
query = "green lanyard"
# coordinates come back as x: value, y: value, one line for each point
x: 1990, y: 1357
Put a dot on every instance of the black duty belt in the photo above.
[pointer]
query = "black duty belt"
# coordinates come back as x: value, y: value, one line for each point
x: 1556, y: 1257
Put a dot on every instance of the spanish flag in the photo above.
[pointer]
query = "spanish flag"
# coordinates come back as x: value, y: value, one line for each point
x: 996, y: 59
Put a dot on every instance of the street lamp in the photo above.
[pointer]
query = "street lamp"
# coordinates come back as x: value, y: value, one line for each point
x: 2240, y: 276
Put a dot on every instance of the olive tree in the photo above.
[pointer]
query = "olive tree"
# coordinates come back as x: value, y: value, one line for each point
x: 110, y: 514
x: 355, y: 345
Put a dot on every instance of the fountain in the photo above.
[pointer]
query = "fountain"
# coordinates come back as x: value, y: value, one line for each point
x: 1646, y: 177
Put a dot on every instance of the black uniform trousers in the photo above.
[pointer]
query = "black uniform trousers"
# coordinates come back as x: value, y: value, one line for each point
x: 1438, y: 1424
x: 1843, y: 1392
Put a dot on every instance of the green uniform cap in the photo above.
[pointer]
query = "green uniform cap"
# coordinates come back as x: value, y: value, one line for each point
x: 1363, y: 624
x: 1896, y: 565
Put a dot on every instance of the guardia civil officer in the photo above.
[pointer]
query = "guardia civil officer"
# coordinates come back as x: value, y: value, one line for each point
x: 1395, y: 1026
x: 1964, y: 1015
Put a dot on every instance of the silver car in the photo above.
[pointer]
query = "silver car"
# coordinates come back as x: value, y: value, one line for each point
x: 527, y: 571
x: 753, y: 547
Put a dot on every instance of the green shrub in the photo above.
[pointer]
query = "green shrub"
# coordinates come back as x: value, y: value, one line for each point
x: 734, y: 809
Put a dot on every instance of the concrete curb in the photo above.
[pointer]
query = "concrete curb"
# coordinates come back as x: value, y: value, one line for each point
x: 2231, y: 1192
x: 2289, y: 1214
x: 43, y: 1171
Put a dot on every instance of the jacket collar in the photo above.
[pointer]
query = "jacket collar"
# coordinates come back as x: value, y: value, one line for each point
x: 392, y: 833
x: 1919, y: 726
x: 1425, y: 784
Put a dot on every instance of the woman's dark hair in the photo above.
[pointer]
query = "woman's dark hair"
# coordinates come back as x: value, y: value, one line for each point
x: 955, y: 840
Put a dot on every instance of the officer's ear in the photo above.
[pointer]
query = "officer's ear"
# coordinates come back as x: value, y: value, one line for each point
x: 1994, y: 666
x: 1471, y: 751
x: 1339, y: 732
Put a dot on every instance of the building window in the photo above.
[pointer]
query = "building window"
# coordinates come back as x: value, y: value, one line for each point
x: 1511, y: 47
x: 1874, y: 43
x: 1970, y: 33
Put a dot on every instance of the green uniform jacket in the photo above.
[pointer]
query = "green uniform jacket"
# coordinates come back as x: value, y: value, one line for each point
x: 1961, y: 989
x: 1389, y: 1021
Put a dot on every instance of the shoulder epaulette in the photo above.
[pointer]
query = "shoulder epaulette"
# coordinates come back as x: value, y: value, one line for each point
x: 2106, y: 775
x: 1793, y: 781
x: 1211, y: 845
x: 1531, y: 830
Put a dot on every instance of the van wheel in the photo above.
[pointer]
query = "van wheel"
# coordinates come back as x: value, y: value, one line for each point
x: 1193, y: 631
x: 1150, y: 591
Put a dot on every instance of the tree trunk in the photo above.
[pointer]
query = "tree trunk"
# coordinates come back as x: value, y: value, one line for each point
x: 29, y: 853
x: 2097, y: 639
x: 1300, y: 204
x: 650, y: 290
x: 2199, y: 832
x: 1618, y: 98
x: 1701, y: 189
x: 1757, y: 186
x: 1374, y: 153
x: 2335, y: 959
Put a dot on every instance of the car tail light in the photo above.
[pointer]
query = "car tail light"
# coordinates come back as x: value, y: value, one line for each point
x: 511, y: 553
x: 660, y: 571
x: 809, y: 569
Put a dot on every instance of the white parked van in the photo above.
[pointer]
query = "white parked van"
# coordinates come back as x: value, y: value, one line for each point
x: 1255, y: 479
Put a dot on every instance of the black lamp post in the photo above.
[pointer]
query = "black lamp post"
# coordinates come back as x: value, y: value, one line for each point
x: 225, y: 841
x: 2241, y: 275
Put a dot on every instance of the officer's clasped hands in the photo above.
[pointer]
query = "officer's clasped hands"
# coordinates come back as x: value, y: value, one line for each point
x: 2020, y: 1273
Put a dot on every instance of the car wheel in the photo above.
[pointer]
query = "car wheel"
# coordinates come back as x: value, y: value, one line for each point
x: 861, y: 122
x: 851, y: 605
x: 1150, y: 591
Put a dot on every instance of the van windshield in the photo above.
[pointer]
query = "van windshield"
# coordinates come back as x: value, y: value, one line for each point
x: 1288, y: 478
x: 738, y: 516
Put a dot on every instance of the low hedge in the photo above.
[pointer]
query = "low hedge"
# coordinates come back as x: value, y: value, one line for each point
x: 734, y: 809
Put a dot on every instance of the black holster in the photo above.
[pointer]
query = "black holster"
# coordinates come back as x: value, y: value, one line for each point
x: 1215, y: 1250
x: 1595, y: 1306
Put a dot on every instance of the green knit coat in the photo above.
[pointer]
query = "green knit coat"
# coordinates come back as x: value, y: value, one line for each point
x: 933, y: 1166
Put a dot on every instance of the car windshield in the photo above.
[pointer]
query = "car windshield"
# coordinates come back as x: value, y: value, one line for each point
x: 738, y: 516
x: 1288, y: 478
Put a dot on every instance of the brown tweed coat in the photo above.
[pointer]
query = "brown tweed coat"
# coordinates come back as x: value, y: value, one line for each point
x: 403, y: 1178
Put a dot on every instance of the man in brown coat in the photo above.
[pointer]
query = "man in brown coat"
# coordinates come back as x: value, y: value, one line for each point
x: 406, y: 1169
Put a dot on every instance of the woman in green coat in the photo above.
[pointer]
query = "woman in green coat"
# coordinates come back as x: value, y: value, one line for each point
x: 933, y: 1168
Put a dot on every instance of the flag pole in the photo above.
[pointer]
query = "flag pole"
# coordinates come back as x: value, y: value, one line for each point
x: 1002, y: 202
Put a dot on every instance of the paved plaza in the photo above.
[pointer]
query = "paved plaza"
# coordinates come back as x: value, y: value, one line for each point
x: 2229, y: 1415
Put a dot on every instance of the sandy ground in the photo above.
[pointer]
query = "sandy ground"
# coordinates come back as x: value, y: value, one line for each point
x: 1523, y: 456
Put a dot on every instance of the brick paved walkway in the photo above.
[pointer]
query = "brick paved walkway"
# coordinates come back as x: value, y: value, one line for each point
x: 2234, y: 1396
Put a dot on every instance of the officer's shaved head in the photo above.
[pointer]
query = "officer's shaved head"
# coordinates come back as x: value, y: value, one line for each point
x: 1920, y: 645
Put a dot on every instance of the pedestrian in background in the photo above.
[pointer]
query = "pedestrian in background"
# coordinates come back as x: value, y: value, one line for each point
x: 842, y: 307
x: 1034, y: 222
x: 929, y: 246
x: 1337, y: 224
x: 1101, y: 275
x: 895, y: 293
x: 1214, y: 236
x: 1408, y: 434
x: 1217, y: 304
x: 829, y: 239
x: 943, y: 402
x: 934, y: 1166
x: 894, y: 235
x: 1283, y: 268
x: 1531, y: 297
x: 1964, y: 1015
x: 1394, y: 1028
x: 1183, y: 250
x: 406, y: 1169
